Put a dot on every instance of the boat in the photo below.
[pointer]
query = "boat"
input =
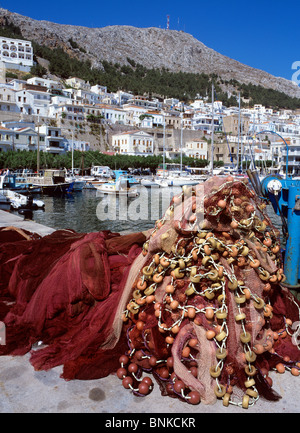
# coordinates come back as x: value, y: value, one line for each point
x: 91, y: 182
x: 18, y: 184
x: 129, y: 177
x: 162, y: 183
x: 4, y: 202
x: 20, y: 201
x: 120, y: 187
x: 178, y: 178
x: 149, y: 183
x: 17, y: 200
x: 78, y: 183
x: 53, y: 182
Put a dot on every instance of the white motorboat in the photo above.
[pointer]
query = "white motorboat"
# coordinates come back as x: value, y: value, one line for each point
x: 149, y: 183
x: 180, y: 180
x: 162, y: 183
x: 118, y: 188
x: 20, y: 201
x: 92, y: 183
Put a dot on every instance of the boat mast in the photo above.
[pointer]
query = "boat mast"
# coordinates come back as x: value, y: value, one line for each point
x: 239, y: 129
x: 38, y: 148
x: 164, y: 147
x: 181, y: 147
x: 72, y: 152
x: 212, y: 131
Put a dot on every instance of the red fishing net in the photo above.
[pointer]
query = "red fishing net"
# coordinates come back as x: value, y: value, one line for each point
x: 198, y: 301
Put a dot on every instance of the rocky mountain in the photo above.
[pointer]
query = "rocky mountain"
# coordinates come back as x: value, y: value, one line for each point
x: 151, y: 47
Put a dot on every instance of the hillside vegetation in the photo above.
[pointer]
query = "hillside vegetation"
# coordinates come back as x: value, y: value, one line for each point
x: 140, y: 80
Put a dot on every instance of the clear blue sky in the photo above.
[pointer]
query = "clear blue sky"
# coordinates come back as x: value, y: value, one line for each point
x: 262, y: 34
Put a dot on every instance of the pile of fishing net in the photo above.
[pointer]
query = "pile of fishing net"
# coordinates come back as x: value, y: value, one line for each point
x: 198, y: 301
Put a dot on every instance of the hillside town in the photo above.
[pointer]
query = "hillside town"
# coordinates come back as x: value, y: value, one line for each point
x: 55, y: 116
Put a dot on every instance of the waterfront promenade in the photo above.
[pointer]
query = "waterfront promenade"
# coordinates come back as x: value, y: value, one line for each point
x: 23, y: 390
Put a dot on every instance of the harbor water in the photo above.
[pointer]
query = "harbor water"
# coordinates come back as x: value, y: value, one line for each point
x: 85, y: 211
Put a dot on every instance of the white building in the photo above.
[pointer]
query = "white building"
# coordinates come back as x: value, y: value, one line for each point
x: 16, y: 52
x: 33, y: 101
x: 51, y: 85
x: 202, y: 121
x: 54, y: 141
x: 293, y: 156
x: 152, y: 119
x: 196, y: 149
x: 18, y: 139
x: 78, y: 83
x: 133, y: 143
x: 87, y: 97
x: 100, y: 90
x: 82, y: 146
x: 134, y: 113
x: 112, y: 114
x: 8, y: 100
x: 62, y: 107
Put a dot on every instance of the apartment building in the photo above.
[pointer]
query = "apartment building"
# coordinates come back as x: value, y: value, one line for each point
x: 54, y: 141
x: 18, y: 139
x: 16, y: 52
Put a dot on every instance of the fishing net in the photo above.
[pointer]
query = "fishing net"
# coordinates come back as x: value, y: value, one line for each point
x: 209, y: 316
x: 198, y: 301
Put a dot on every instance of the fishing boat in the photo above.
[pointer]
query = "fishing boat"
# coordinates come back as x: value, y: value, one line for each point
x: 18, y: 184
x: 78, y: 183
x: 120, y: 187
x: 53, y: 182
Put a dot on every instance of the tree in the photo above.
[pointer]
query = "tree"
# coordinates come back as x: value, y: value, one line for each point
x: 38, y: 70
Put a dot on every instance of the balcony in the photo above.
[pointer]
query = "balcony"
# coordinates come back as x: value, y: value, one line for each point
x: 54, y: 149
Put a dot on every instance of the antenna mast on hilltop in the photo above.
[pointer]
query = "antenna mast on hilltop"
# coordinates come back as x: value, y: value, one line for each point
x: 168, y: 22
